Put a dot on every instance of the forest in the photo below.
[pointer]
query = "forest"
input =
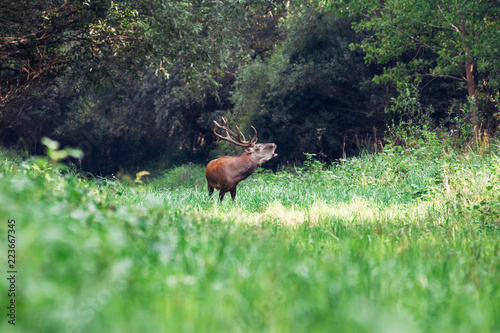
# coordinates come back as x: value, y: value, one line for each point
x: 138, y: 85
x: 379, y: 213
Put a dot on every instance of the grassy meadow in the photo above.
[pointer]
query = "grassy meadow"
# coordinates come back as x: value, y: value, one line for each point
x: 400, y: 241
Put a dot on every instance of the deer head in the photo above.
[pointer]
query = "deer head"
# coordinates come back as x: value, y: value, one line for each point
x: 261, y: 152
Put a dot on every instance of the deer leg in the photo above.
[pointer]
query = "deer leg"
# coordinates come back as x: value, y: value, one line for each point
x: 210, y: 191
x: 221, y: 195
x: 233, y: 194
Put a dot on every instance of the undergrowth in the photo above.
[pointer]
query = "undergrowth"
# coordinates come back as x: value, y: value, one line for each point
x: 405, y: 240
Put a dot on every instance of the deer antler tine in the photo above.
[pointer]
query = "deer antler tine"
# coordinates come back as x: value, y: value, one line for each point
x: 240, y: 135
x: 217, y: 134
x: 224, y: 121
x: 254, y: 139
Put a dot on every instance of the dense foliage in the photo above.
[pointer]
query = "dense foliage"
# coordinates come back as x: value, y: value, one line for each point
x: 405, y: 240
x: 455, y: 39
x: 138, y: 84
x: 313, y: 94
x: 125, y: 81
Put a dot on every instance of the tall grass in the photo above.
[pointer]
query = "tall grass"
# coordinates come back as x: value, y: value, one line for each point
x: 402, y: 241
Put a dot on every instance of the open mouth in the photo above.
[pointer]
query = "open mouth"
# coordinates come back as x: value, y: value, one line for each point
x: 274, y: 154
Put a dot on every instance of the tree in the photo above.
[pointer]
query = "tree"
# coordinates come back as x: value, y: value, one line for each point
x: 313, y: 94
x: 126, y: 81
x: 455, y: 39
x: 45, y: 41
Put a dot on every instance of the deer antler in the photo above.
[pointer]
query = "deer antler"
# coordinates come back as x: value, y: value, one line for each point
x: 240, y: 137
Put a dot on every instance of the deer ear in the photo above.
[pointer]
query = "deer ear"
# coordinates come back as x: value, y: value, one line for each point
x: 250, y: 150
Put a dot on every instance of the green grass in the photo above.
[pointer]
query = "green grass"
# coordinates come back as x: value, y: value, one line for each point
x: 395, y: 242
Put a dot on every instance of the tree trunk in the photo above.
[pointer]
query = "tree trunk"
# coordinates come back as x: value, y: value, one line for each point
x: 469, y: 79
x: 471, y: 89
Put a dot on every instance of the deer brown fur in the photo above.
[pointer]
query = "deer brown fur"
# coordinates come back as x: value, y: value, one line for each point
x: 226, y: 172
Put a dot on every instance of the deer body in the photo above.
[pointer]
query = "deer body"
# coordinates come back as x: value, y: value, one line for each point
x: 226, y: 172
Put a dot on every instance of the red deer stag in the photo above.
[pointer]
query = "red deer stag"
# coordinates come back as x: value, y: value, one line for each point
x: 226, y: 172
